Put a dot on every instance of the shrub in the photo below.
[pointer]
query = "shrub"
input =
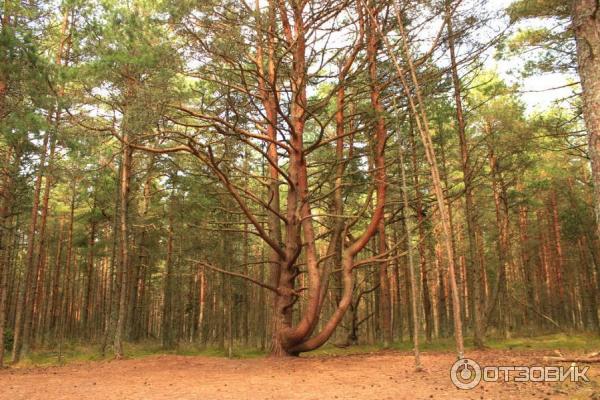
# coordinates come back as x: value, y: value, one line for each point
x: 8, y: 339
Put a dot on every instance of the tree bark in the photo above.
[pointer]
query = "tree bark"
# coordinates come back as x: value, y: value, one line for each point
x: 408, y: 228
x: 586, y: 25
x: 422, y: 244
x: 384, y: 289
x: 87, y: 299
x: 168, y: 341
x: 8, y: 171
x: 124, y: 247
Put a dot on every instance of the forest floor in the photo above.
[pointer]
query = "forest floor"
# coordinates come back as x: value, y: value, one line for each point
x: 376, y: 375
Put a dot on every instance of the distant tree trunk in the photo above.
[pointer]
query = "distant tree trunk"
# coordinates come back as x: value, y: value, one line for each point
x: 87, y: 298
x: 528, y: 272
x: 4, y: 266
x: 589, y: 289
x: 465, y: 289
x: 52, y: 311
x: 67, y: 297
x: 500, y: 294
x: 444, y: 316
x: 384, y: 290
x: 408, y: 228
x: 25, y: 300
x: 230, y: 305
x: 11, y: 162
x: 6, y: 239
x: 559, y: 263
x: 135, y: 314
x: 41, y: 253
x: 586, y: 24
x: 245, y: 261
x: 398, y: 312
x: 424, y: 267
x: 543, y: 275
x: 110, y: 315
x: 201, y: 299
x: 168, y: 340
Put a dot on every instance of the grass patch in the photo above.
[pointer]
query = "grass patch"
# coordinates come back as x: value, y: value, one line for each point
x: 560, y: 341
x: 79, y: 352
x: 331, y: 350
x: 69, y: 353
x: 581, y: 342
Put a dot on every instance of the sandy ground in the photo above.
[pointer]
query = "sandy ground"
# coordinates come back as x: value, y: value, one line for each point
x: 382, y: 375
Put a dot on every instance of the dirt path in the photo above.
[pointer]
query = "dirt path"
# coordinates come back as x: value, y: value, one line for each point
x: 384, y: 375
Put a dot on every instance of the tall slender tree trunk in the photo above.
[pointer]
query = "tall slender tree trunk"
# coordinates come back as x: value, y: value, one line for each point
x: 201, y: 299
x: 41, y: 252
x: 87, y: 299
x: 4, y: 266
x: 559, y: 263
x: 528, y: 272
x: 422, y: 246
x: 384, y: 289
x: 499, y: 299
x: 6, y: 237
x: 408, y: 228
x: 110, y: 316
x: 54, y: 306
x: 67, y: 297
x: 168, y: 340
x: 586, y: 25
x: 124, y: 247
x: 473, y: 265
x: 8, y: 171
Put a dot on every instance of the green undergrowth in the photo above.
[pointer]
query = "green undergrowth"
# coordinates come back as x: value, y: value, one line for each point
x: 79, y: 352
x: 580, y: 343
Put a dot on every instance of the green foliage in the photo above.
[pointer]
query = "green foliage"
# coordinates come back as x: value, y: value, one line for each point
x: 550, y: 47
x: 521, y: 9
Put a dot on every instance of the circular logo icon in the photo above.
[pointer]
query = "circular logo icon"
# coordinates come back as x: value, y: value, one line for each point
x: 465, y: 374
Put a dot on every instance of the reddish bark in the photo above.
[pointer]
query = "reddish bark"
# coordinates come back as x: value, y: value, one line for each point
x: 586, y: 26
